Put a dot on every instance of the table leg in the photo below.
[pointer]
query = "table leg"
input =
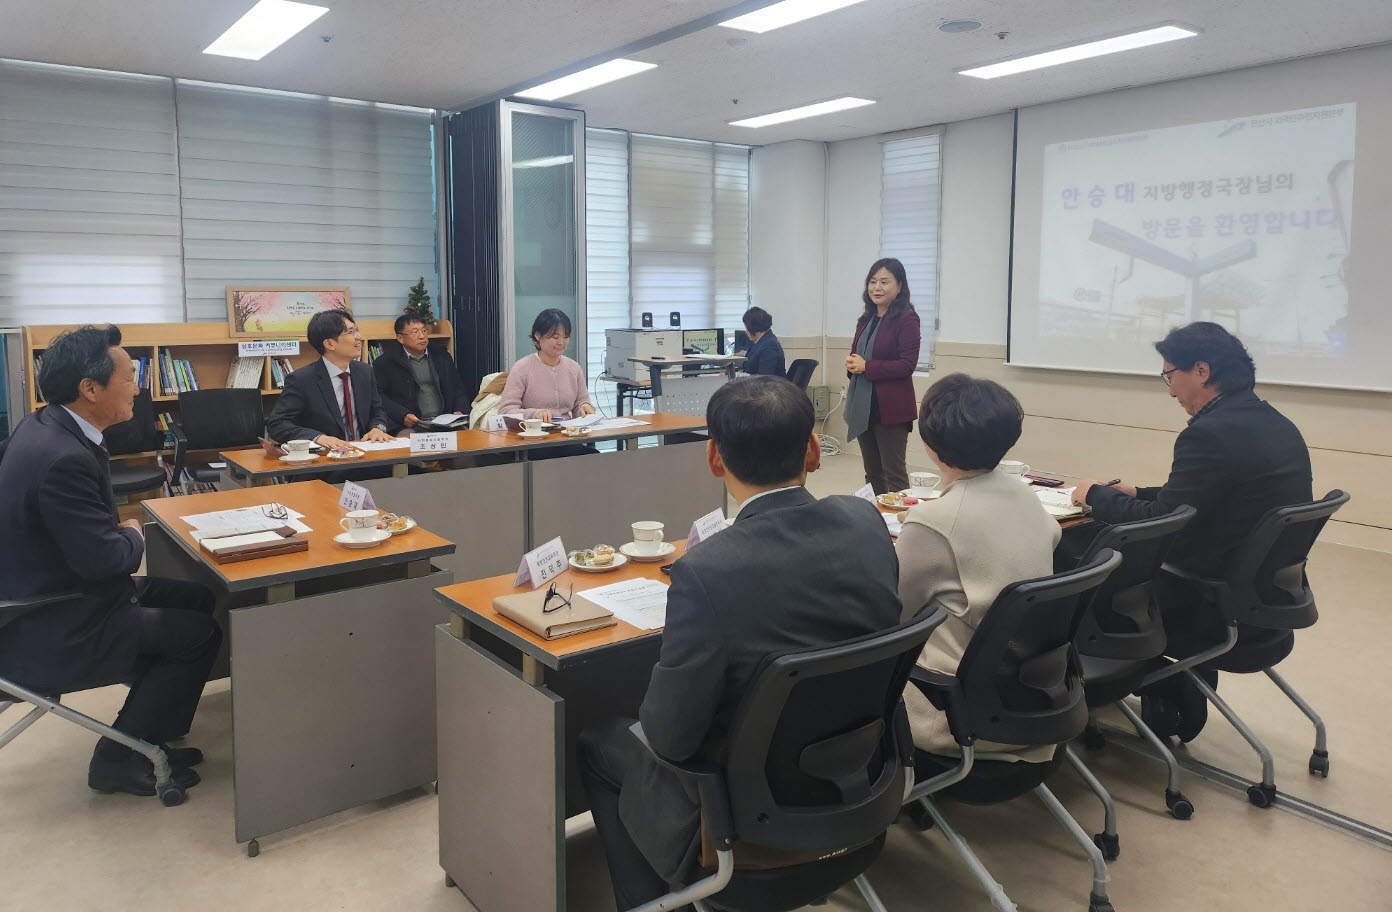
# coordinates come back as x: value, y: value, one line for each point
x: 401, y: 470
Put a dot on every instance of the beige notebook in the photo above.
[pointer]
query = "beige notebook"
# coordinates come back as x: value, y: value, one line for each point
x: 580, y: 616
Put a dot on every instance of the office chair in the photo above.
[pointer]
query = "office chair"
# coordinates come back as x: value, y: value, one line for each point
x: 11, y: 693
x: 1118, y: 639
x: 138, y: 435
x: 1019, y: 682
x: 818, y: 761
x: 1264, y: 598
x: 216, y: 419
x: 800, y: 372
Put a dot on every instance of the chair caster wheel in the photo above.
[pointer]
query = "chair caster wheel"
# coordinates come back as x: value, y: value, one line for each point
x: 253, y: 849
x: 1319, y: 764
x: 449, y: 881
x: 1093, y: 739
x: 920, y: 816
x: 1100, y: 904
x: 1262, y: 796
x: 172, y: 796
x: 1181, y: 808
x: 1109, y: 844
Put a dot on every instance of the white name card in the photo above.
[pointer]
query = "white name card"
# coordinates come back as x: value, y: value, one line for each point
x: 495, y: 422
x: 867, y: 493
x: 436, y: 442
x: 705, y: 527
x: 251, y: 349
x: 356, y: 497
x: 543, y: 564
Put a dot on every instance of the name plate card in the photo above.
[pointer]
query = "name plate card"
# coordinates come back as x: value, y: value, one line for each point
x: 436, y: 442
x: 494, y: 423
x: 252, y: 349
x: 867, y: 493
x: 356, y: 497
x: 543, y: 564
x: 705, y: 527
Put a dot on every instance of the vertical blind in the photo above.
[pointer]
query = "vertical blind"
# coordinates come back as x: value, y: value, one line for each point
x: 139, y: 198
x: 606, y: 240
x: 909, y: 218
x: 89, y: 197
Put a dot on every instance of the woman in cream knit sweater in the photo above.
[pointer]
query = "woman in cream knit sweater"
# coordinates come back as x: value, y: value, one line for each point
x: 986, y: 531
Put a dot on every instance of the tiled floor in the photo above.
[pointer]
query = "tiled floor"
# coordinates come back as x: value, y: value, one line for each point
x: 65, y: 848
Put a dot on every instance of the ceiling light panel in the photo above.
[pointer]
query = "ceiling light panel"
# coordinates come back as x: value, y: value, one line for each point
x: 785, y: 13
x: 812, y: 110
x: 265, y: 27
x: 1128, y: 42
x: 586, y: 79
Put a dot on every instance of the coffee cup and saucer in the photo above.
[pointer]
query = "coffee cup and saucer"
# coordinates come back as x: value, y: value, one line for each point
x: 647, y: 545
x: 360, y: 530
x: 532, y: 427
x: 298, y: 451
x: 1015, y: 468
x: 923, y: 485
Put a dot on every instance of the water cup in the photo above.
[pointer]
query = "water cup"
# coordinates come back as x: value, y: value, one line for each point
x: 647, y: 536
x: 921, y: 484
x: 360, y: 525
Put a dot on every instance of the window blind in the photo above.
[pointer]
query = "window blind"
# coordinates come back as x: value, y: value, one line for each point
x: 606, y: 241
x: 287, y: 189
x: 89, y: 197
x: 909, y: 218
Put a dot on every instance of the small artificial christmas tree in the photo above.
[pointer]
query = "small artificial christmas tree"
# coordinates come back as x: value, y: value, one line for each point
x: 418, y: 304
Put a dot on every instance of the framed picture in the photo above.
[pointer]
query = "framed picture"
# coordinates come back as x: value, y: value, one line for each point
x: 279, y: 312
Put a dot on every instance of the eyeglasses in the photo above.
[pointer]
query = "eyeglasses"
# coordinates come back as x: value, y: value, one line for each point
x: 418, y: 331
x: 563, y: 601
x: 1165, y: 375
x: 275, y: 511
x: 354, y: 332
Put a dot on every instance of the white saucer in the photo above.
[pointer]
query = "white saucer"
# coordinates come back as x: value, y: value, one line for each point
x: 928, y: 493
x: 309, y: 457
x: 619, y: 561
x: 410, y: 524
x: 378, y: 536
x: 533, y: 434
x: 666, y: 551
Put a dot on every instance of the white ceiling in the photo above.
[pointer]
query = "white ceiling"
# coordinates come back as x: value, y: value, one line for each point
x: 443, y: 53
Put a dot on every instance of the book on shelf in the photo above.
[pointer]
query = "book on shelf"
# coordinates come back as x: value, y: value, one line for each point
x: 176, y: 376
x: 142, y: 373
x: 245, y: 372
x: 374, y: 351
x: 38, y: 366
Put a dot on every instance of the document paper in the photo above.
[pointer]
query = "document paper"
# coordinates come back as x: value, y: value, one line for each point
x: 641, y: 602
x: 242, y: 521
x: 374, y: 446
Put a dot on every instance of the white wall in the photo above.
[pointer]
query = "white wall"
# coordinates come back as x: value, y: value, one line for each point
x: 787, y: 183
x: 853, y: 228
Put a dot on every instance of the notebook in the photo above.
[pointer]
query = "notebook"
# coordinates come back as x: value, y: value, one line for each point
x: 525, y: 609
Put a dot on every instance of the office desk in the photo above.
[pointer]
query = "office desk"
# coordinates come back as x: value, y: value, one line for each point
x: 510, y: 706
x: 496, y: 513
x: 331, y: 657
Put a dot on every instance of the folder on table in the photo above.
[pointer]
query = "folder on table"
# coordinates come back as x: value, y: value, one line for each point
x: 525, y: 609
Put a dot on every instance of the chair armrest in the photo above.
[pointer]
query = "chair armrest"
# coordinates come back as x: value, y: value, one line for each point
x: 945, y: 693
x: 710, y: 785
x: 1217, y: 588
x: 180, y: 451
x: 903, y: 734
x: 13, y: 608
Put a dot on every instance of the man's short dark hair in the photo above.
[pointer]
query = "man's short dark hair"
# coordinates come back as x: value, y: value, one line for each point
x: 1230, y: 367
x: 76, y: 355
x: 760, y: 426
x: 757, y: 320
x: 326, y: 325
x: 404, y: 321
x: 969, y: 423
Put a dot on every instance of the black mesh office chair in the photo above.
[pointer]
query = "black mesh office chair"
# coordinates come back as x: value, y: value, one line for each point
x: 818, y: 761
x: 1119, y: 637
x: 138, y: 435
x: 217, y: 419
x: 800, y: 372
x: 1019, y: 682
x: 1264, y: 599
x: 12, y: 693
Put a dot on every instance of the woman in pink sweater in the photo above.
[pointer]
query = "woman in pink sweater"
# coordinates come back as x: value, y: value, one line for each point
x: 547, y: 385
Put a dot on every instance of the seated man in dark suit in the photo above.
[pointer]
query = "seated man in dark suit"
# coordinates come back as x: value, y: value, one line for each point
x: 1237, y: 459
x: 417, y: 382
x: 333, y: 400
x: 791, y: 573
x: 60, y: 533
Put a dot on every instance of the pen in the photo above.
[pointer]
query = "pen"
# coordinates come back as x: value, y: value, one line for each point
x: 1112, y: 482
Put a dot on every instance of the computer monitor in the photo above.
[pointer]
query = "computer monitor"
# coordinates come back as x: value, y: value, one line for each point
x: 741, y: 340
x: 703, y: 341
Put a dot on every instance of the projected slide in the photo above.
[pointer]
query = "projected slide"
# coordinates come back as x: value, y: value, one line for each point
x: 1245, y: 222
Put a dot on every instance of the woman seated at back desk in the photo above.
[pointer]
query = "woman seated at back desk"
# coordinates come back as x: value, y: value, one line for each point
x: 547, y: 384
x: 986, y: 531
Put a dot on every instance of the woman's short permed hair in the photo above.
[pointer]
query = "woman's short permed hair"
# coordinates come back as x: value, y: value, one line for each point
x: 969, y: 423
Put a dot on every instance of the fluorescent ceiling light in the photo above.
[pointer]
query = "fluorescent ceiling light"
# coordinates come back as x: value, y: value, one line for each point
x: 586, y: 79
x: 785, y: 13
x: 1081, y: 51
x: 265, y: 27
x: 812, y: 110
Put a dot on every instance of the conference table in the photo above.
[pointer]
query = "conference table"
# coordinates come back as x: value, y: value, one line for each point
x: 498, y: 511
x: 332, y: 665
x: 510, y: 706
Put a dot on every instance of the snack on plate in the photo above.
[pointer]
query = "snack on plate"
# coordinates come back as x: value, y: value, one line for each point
x: 602, y: 555
x: 892, y: 499
x: 575, y: 431
x: 398, y: 523
x: 909, y: 500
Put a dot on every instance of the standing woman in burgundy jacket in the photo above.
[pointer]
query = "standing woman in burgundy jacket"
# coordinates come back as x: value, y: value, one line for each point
x: 880, y: 407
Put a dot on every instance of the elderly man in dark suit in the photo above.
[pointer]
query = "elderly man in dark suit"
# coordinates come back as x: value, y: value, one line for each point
x: 417, y: 382
x: 333, y: 400
x: 1236, y: 459
x: 792, y: 572
x: 59, y: 533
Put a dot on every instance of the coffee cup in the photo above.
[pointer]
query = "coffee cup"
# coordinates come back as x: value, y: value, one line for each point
x: 1013, y: 467
x: 293, y: 447
x: 647, y: 536
x: 921, y: 484
x: 532, y: 425
x: 360, y: 525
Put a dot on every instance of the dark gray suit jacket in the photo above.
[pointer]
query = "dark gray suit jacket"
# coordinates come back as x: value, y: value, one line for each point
x: 308, y: 405
x: 792, y: 573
